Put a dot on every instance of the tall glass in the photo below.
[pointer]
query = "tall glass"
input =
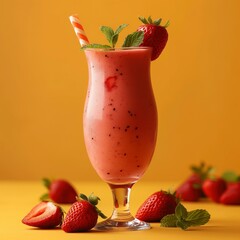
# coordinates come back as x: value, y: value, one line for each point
x: 120, y: 125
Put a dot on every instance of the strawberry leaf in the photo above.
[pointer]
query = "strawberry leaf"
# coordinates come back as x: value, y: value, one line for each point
x: 93, y: 199
x: 100, y: 213
x: 44, y: 197
x: 157, y: 21
x: 46, y: 182
x: 150, y: 20
x: 202, y: 170
x: 143, y: 20
x: 167, y: 24
x: 83, y: 196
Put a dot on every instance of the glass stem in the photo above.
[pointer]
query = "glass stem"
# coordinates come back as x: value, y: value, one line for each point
x: 121, y: 197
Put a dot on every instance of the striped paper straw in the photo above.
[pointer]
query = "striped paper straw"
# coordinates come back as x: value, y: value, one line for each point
x: 78, y: 28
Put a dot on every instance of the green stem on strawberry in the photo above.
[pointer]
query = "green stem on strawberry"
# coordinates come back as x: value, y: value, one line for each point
x: 202, y: 170
x: 156, y: 22
x: 45, y: 197
x: 93, y: 199
x: 46, y: 182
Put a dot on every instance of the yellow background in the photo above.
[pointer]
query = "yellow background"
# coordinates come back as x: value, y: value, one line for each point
x: 43, y: 84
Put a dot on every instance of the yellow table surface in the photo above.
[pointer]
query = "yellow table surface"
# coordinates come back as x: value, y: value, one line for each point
x: 18, y: 197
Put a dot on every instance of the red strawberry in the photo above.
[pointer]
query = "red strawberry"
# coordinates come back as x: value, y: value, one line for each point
x: 214, y: 188
x: 232, y: 194
x: 191, y: 188
x: 44, y: 215
x: 155, y: 35
x: 83, y: 215
x: 189, y: 191
x: 60, y: 191
x: 156, y: 206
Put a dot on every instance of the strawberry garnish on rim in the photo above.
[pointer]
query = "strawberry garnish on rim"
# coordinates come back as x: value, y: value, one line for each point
x: 155, y: 35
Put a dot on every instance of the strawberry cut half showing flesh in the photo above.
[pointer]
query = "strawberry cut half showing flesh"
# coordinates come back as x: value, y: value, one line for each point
x: 44, y: 215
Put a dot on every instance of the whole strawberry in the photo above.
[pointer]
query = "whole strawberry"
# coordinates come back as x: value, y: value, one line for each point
x: 156, y: 206
x: 82, y: 215
x: 155, y: 35
x: 232, y: 194
x: 191, y: 188
x: 44, y: 215
x: 214, y: 188
x: 59, y: 191
x: 189, y: 191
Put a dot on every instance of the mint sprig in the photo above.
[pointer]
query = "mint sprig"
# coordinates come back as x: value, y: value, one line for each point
x: 184, y: 219
x: 132, y: 40
x: 111, y: 35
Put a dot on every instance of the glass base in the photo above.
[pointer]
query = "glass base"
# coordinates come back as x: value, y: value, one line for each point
x: 113, y: 225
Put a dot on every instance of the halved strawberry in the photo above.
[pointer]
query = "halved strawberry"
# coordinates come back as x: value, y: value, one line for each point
x: 44, y: 215
x: 155, y: 35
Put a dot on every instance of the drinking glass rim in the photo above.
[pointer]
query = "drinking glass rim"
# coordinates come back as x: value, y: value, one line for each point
x: 117, y: 49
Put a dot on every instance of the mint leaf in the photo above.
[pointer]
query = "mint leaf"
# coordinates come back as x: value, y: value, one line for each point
x: 134, y: 39
x: 112, y: 36
x: 181, y: 212
x: 108, y: 32
x: 116, y: 34
x: 169, y: 220
x: 114, y: 40
x: 198, y: 217
x: 94, y: 45
x: 184, y: 219
x: 183, y: 224
x: 120, y: 28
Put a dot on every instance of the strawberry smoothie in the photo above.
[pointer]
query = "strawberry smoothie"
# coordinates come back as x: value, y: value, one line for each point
x: 120, y: 116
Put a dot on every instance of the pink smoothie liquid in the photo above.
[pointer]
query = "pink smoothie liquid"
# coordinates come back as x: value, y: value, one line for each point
x: 120, y: 116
